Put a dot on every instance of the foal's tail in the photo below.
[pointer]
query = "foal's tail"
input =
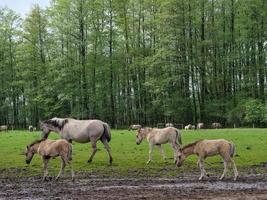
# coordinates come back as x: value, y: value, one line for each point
x: 232, y: 149
x: 107, y: 133
x: 178, y: 136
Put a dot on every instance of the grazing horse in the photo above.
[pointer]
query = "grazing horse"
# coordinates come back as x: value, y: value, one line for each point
x: 206, y: 148
x: 81, y: 131
x: 30, y: 128
x: 4, y: 128
x: 134, y: 127
x: 49, y: 149
x: 187, y: 127
x: 200, y: 125
x: 216, y: 125
x: 169, y: 125
x: 156, y: 136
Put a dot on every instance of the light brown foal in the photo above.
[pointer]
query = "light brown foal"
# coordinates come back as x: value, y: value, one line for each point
x: 49, y: 149
x: 206, y: 148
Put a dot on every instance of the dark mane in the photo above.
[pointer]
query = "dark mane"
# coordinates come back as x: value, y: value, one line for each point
x: 37, y: 141
x: 56, y: 123
x: 191, y: 144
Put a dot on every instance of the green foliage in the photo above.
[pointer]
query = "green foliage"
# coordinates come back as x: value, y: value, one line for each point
x: 255, y: 111
x: 134, y: 61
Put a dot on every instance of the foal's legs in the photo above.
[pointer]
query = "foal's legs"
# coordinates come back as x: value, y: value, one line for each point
x: 45, y: 162
x: 94, y: 150
x: 227, y: 161
x: 201, y: 167
x: 225, y: 164
x: 234, y: 167
x: 151, y: 146
x: 61, y: 172
x: 105, y: 142
x: 162, y: 152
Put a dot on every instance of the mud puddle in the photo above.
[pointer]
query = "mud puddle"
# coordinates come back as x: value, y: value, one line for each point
x: 186, y: 187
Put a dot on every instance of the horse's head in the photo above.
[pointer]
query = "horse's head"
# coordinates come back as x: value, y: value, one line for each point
x: 55, y: 124
x: 45, y: 129
x: 29, y: 153
x: 180, y: 157
x: 141, y: 134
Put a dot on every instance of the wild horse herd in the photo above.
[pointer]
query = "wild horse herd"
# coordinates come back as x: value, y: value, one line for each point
x: 84, y: 131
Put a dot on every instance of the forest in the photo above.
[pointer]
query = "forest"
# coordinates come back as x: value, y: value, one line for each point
x: 135, y: 61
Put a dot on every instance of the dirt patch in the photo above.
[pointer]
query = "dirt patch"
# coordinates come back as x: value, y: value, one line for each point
x: 89, y: 187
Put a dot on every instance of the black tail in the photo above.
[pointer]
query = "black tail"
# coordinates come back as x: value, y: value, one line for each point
x: 106, y: 133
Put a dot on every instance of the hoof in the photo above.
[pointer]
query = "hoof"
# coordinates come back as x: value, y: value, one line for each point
x: 89, y: 161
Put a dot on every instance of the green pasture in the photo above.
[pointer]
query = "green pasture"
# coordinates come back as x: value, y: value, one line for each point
x: 130, y: 159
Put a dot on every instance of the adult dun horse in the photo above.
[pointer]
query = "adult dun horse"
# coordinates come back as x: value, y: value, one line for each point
x: 81, y: 131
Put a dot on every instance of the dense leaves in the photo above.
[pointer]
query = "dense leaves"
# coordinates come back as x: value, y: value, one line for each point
x: 144, y: 61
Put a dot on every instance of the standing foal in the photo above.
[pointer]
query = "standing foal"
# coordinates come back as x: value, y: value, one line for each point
x: 49, y: 149
x: 158, y: 136
x: 206, y: 148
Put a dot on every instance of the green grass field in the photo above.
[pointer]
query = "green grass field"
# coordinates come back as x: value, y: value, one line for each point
x: 129, y: 158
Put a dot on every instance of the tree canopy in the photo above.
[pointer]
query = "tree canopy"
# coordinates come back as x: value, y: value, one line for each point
x: 135, y: 61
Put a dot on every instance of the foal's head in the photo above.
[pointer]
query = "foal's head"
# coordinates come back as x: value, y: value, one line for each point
x: 31, y: 149
x: 180, y: 158
x: 141, y: 134
x: 29, y: 153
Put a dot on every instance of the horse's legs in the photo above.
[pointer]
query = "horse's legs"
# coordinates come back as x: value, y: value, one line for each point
x: 175, y: 148
x: 151, y: 146
x: 72, y: 172
x: 201, y: 167
x: 235, y: 169
x: 225, y: 164
x: 45, y: 162
x: 63, y: 164
x: 106, y: 145
x: 162, y: 152
x: 94, y: 151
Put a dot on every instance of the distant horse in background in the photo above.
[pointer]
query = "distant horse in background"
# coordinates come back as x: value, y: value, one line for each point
x: 134, y: 127
x: 200, y: 125
x: 190, y: 126
x: 156, y: 136
x: 169, y: 125
x: 49, y: 149
x: 30, y: 128
x: 187, y: 127
x: 216, y: 125
x: 81, y: 131
x: 206, y: 148
x: 4, y: 128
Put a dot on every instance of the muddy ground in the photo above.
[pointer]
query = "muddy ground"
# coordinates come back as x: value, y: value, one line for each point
x: 93, y: 187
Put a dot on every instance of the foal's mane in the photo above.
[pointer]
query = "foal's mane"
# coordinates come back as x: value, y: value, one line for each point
x: 191, y: 144
x: 37, y: 141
